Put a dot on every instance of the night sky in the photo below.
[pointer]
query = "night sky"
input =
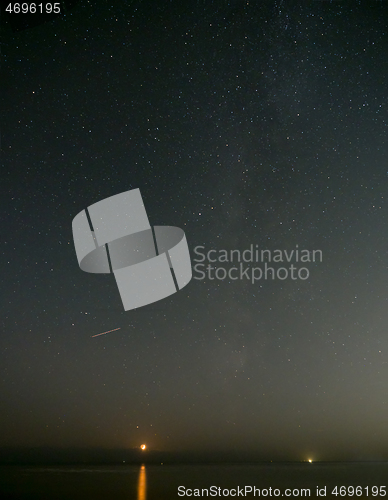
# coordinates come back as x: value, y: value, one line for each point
x: 243, y: 123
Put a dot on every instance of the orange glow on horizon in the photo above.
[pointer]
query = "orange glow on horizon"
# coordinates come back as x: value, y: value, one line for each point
x: 143, y: 446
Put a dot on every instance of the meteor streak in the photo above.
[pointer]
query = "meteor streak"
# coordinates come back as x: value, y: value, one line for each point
x: 103, y: 333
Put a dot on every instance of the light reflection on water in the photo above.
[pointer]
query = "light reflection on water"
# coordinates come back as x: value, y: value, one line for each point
x: 156, y: 482
x: 142, y: 484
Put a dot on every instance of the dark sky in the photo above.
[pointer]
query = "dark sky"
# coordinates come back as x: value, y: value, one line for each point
x: 243, y: 123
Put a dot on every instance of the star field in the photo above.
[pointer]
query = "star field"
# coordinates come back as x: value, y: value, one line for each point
x: 242, y: 123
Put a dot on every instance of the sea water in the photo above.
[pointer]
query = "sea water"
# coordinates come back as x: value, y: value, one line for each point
x: 165, y: 482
